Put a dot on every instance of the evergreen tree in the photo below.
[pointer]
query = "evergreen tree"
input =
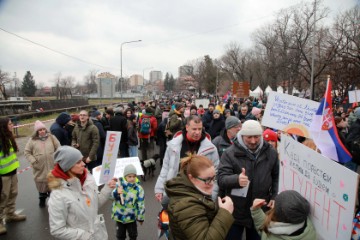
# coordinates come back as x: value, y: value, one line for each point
x: 166, y: 82
x: 28, y: 86
x: 210, y: 75
x: 171, y: 83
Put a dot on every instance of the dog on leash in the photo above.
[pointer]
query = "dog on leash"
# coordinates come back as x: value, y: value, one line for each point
x: 149, y: 166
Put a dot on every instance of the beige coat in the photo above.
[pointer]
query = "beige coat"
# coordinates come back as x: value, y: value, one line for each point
x: 40, y: 155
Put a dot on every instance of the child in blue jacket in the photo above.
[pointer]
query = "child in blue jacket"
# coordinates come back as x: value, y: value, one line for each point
x: 128, y: 206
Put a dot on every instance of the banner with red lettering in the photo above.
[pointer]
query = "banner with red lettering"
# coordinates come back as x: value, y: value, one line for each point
x: 330, y: 187
x: 110, y: 155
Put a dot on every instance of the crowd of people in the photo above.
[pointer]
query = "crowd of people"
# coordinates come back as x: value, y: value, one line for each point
x: 218, y: 179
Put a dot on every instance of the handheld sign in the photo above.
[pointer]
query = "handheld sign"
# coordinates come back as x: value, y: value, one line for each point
x: 110, y: 155
x: 329, y: 187
x: 354, y: 96
x: 205, y: 102
x: 289, y: 114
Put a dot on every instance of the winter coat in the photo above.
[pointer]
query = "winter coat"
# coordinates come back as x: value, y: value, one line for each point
x: 73, y: 209
x: 193, y: 215
x: 176, y: 122
x: 39, y: 153
x: 153, y: 126
x: 353, y: 136
x: 216, y: 126
x: 134, y: 203
x: 60, y: 133
x: 132, y: 134
x: 222, y: 142
x: 206, y: 120
x: 88, y: 139
x: 259, y: 218
x: 262, y: 171
x: 119, y: 123
x: 171, y: 162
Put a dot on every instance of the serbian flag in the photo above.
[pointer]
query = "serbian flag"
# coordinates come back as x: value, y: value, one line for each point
x: 324, y: 133
x: 226, y: 96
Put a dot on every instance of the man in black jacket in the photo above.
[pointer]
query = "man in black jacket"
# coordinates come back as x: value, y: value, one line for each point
x: 248, y: 169
x: 119, y: 123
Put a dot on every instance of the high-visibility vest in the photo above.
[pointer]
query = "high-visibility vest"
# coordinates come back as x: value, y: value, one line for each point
x: 8, y: 163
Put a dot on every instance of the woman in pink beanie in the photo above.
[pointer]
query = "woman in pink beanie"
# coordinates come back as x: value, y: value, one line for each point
x: 39, y: 152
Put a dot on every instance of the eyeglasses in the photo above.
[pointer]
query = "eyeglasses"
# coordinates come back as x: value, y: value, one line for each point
x: 207, y: 180
x: 83, y: 115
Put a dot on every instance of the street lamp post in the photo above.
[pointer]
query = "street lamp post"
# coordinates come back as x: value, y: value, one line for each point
x: 121, y: 80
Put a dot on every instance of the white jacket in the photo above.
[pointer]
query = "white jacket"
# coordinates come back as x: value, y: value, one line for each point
x: 73, y: 211
x: 171, y: 163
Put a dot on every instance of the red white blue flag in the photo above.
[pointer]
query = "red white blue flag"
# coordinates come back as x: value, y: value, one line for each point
x: 324, y: 132
x: 226, y: 96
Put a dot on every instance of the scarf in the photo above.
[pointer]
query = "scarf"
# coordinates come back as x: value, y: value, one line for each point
x: 59, y: 173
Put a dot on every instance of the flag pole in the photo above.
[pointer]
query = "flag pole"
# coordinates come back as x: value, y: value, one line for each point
x: 324, y: 106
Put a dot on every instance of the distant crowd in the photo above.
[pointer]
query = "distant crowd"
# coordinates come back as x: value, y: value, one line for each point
x: 218, y: 180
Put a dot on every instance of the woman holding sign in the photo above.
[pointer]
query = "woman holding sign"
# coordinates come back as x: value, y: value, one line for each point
x: 74, y: 200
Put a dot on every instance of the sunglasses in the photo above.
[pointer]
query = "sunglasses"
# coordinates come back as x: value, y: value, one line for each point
x: 207, y: 180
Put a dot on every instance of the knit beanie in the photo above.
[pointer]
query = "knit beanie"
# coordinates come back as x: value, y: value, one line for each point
x: 179, y: 106
x: 129, y: 169
x: 270, y: 135
x: 251, y: 128
x: 95, y: 114
x: 231, y: 122
x: 291, y: 207
x: 255, y: 111
x: 38, y: 125
x: 67, y: 157
x: 216, y: 111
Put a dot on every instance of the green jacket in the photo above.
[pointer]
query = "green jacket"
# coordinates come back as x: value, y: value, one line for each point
x: 88, y: 139
x: 193, y: 215
x: 259, y: 217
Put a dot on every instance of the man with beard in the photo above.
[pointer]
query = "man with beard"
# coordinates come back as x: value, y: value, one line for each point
x: 192, y: 140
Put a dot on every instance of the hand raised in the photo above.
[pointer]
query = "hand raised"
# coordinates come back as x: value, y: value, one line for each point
x: 243, y: 179
x: 226, y: 203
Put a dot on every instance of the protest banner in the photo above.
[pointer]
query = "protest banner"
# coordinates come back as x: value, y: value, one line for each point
x: 329, y: 187
x: 354, y: 96
x: 289, y: 113
x: 110, y: 155
x: 118, y: 170
x: 205, y: 102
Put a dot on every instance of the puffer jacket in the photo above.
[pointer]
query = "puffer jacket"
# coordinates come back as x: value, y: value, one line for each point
x: 193, y: 215
x: 222, y: 142
x: 171, y: 161
x: 40, y: 154
x: 259, y: 218
x: 88, y: 139
x: 262, y: 171
x: 73, y: 210
x: 133, y: 208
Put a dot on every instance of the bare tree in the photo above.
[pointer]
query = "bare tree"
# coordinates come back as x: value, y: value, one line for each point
x: 90, y: 81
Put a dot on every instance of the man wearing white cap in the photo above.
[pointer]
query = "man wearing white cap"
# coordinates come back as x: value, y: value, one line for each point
x: 248, y: 169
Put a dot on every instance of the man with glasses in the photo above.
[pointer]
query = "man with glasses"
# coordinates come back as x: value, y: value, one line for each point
x: 248, y: 169
x: 85, y: 137
x: 192, y: 140
x: 228, y: 135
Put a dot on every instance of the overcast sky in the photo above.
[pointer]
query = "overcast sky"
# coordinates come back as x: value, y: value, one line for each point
x: 172, y: 33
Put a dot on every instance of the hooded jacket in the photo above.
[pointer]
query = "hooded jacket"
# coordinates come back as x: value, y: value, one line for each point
x: 73, y: 209
x: 88, y: 139
x: 193, y: 215
x: 171, y: 161
x: 277, y: 227
x: 262, y: 169
x: 59, y: 131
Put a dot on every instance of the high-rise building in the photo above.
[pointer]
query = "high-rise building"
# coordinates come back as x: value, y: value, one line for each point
x: 185, y: 70
x: 106, y: 85
x: 155, y: 75
x: 136, y: 80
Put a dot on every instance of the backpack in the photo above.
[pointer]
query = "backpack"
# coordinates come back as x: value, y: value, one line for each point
x: 145, y: 126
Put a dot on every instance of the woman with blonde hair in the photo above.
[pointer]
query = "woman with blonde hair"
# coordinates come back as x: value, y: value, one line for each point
x: 39, y: 152
x: 193, y: 214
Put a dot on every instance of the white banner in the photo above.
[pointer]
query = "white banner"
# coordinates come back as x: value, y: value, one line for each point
x: 110, y: 155
x: 205, y: 102
x: 289, y: 114
x: 119, y: 168
x: 354, y: 96
x: 330, y: 188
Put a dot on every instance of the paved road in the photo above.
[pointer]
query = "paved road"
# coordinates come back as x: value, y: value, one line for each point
x: 36, y: 227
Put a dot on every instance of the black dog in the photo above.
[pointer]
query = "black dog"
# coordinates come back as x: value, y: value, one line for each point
x: 149, y: 166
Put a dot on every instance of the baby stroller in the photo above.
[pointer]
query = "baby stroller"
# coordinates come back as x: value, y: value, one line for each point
x: 163, y: 224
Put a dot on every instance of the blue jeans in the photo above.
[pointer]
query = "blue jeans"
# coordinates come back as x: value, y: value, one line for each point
x: 236, y: 233
x: 133, y: 151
